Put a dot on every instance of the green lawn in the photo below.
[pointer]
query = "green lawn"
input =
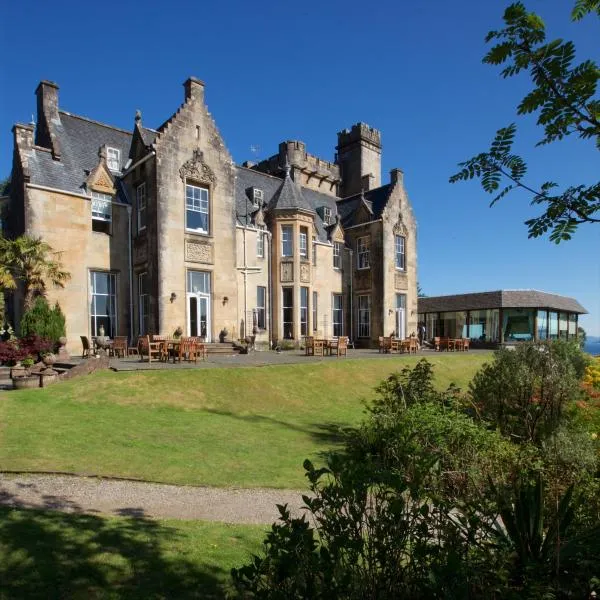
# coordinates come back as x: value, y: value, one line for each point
x: 54, y: 556
x: 245, y: 427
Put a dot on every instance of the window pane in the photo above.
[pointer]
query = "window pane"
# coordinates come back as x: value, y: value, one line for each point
x: 517, y: 324
x: 100, y: 283
x: 542, y: 324
x: 288, y: 312
x: 199, y: 282
x: 338, y: 322
x: 287, y: 247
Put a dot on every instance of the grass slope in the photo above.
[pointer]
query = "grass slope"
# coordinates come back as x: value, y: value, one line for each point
x: 54, y: 556
x: 249, y: 427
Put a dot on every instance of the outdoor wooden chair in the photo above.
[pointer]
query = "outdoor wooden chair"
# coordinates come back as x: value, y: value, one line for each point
x: 87, y: 348
x: 466, y: 344
x: 201, y: 350
x: 150, y: 349
x: 318, y: 347
x: 413, y: 346
x: 309, y: 345
x: 188, y: 350
x: 119, y: 347
x: 339, y: 346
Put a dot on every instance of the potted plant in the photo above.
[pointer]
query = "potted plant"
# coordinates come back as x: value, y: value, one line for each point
x: 48, y: 358
x: 223, y: 334
x: 178, y: 333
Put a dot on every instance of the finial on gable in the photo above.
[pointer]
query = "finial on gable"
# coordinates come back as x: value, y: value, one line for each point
x: 138, y: 117
x: 287, y: 166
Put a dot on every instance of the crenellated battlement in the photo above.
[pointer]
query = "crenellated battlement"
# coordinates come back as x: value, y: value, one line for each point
x: 359, y: 132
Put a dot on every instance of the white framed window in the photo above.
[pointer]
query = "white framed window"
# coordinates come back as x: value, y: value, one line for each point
x: 196, y: 208
x: 103, y: 303
x: 140, y: 200
x: 400, y: 252
x: 143, y: 303
x: 326, y: 215
x: 257, y: 196
x: 362, y: 252
x: 315, y: 300
x: 303, y: 311
x: 101, y: 212
x: 303, y: 242
x: 113, y: 159
x: 337, y: 255
x: 287, y: 240
x: 337, y: 313
x: 260, y: 244
x: 364, y: 316
x: 261, y: 305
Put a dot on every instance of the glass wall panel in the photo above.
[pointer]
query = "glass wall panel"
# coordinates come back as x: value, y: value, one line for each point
x: 453, y: 324
x: 572, y: 325
x: 432, y: 326
x: 288, y: 312
x: 563, y: 326
x: 517, y: 324
x: 483, y: 325
x: 552, y: 325
x: 542, y: 324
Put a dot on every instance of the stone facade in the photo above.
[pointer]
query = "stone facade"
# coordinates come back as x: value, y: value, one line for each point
x: 185, y: 238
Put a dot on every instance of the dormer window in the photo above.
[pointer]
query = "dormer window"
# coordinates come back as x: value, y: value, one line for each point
x: 101, y: 212
x: 257, y: 196
x: 326, y: 215
x: 113, y: 159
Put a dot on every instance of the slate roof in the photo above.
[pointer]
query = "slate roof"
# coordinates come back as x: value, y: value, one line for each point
x: 376, y: 199
x: 500, y: 299
x: 148, y: 135
x: 280, y: 194
x: 79, y: 139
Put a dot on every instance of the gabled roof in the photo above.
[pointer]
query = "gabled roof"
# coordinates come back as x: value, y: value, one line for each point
x: 375, y: 200
x: 500, y: 299
x: 79, y: 139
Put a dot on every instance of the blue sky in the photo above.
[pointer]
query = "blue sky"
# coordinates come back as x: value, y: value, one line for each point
x: 283, y: 70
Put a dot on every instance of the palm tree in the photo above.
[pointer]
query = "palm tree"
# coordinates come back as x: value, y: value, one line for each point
x: 32, y: 262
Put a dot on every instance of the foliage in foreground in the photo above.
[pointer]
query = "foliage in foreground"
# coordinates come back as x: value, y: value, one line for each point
x: 564, y: 96
x: 427, y: 501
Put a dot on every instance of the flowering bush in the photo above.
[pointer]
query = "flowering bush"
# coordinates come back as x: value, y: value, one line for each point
x: 592, y: 374
x: 12, y: 351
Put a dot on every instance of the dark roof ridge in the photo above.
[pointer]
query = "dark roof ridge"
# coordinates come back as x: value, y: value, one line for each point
x: 64, y: 112
x: 361, y: 192
x: 258, y: 172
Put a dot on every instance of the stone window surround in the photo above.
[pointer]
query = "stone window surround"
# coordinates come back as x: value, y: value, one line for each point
x: 194, y: 184
x: 362, y: 252
x: 397, y: 253
x: 364, y: 311
x: 141, y: 207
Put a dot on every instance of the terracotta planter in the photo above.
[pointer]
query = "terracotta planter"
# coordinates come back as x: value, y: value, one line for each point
x: 26, y: 383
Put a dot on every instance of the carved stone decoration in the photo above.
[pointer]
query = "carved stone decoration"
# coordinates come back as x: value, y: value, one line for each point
x: 198, y: 170
x: 200, y: 252
x: 287, y: 272
x: 304, y: 273
x: 400, y: 228
x: 140, y: 253
x: 401, y: 281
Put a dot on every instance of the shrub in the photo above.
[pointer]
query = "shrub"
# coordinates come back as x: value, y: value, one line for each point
x: 11, y: 352
x: 526, y: 392
x: 43, y: 321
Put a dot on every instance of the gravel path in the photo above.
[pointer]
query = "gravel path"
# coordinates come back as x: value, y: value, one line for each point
x: 130, y: 498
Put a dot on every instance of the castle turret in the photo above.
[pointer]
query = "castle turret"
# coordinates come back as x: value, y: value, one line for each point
x: 359, y: 158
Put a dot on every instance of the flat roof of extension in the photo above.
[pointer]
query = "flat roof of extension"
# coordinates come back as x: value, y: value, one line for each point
x: 500, y: 299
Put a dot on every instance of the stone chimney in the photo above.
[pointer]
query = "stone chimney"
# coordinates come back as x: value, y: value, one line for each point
x: 359, y: 155
x: 23, y: 137
x: 194, y: 89
x: 47, y: 117
x: 397, y: 176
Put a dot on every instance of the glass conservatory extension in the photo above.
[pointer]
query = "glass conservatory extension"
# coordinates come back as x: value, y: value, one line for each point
x: 489, y: 319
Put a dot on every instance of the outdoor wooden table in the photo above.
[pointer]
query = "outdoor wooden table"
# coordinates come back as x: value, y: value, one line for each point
x: 395, y: 345
x: 405, y: 345
x: 171, y: 345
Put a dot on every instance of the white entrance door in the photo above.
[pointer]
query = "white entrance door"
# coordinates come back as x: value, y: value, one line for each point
x: 199, y: 315
x: 401, y: 323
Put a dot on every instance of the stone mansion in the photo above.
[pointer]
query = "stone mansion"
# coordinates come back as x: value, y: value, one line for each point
x: 160, y: 229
